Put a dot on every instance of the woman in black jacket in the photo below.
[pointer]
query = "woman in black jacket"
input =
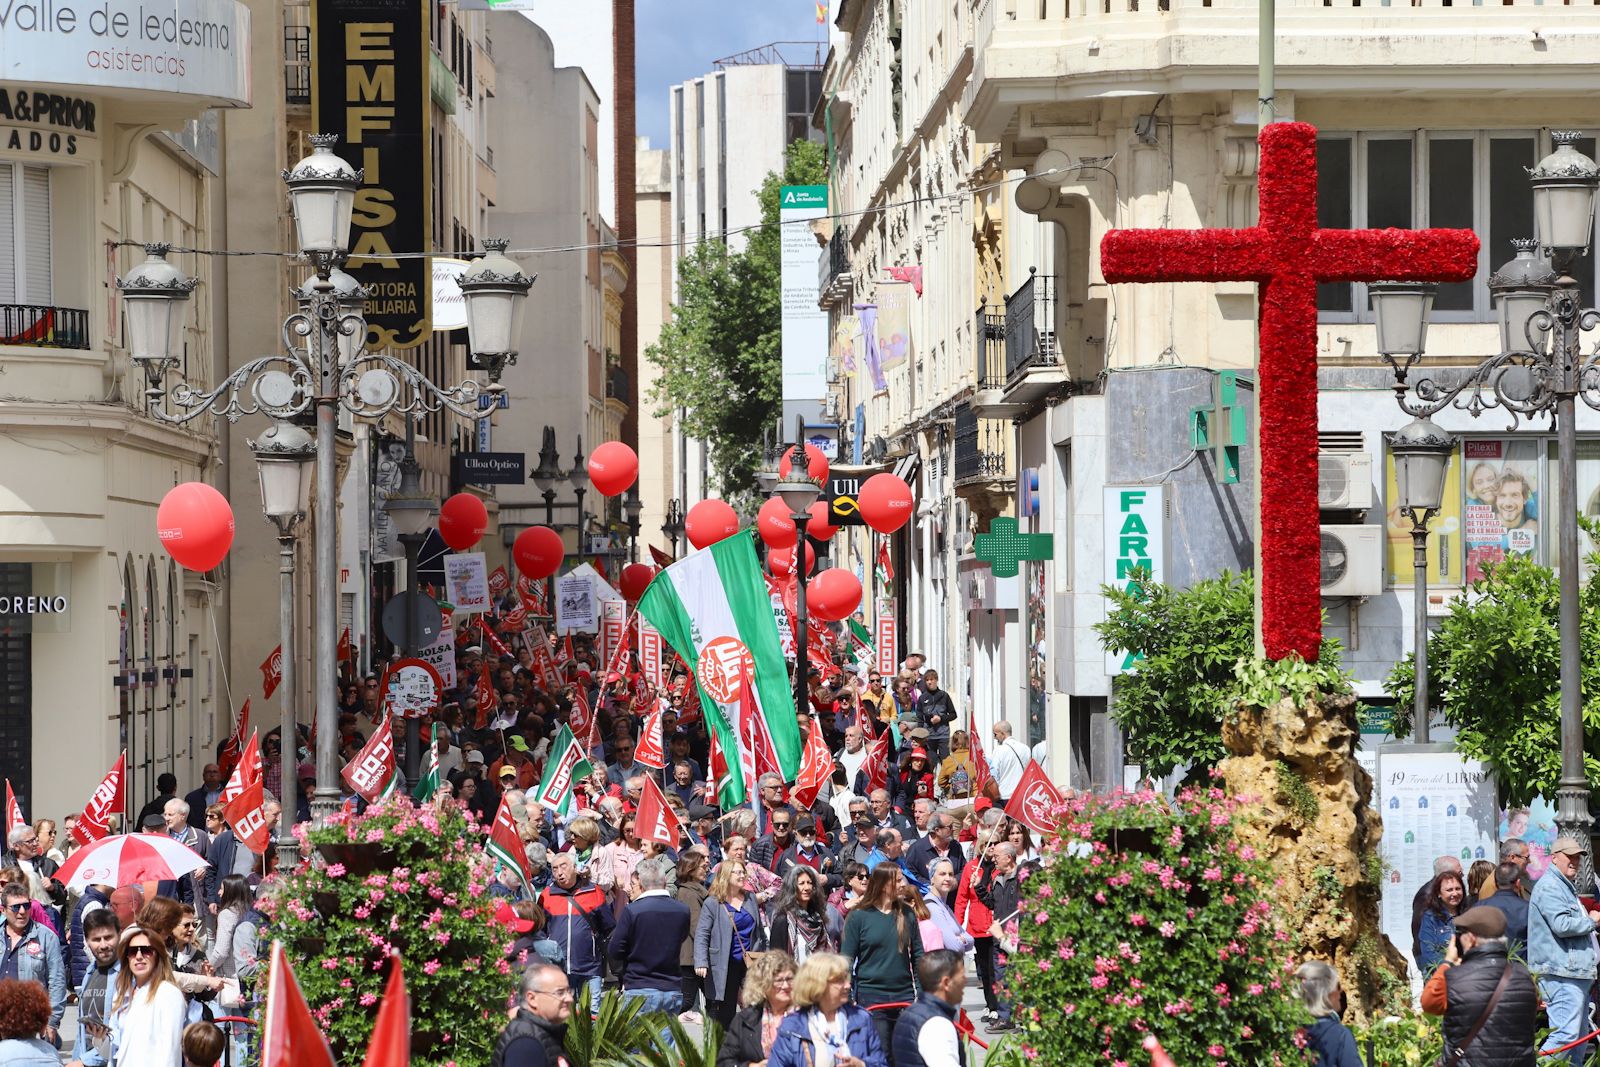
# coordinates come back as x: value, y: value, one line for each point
x: 767, y: 995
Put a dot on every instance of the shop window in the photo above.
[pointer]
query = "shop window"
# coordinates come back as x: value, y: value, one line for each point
x: 16, y: 683
x: 25, y: 263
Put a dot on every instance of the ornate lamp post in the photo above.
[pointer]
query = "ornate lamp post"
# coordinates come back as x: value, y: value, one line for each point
x: 411, y: 510
x: 579, y: 477
x: 1421, y: 454
x: 285, y: 456
x: 673, y: 526
x: 799, y: 490
x: 324, y: 365
x: 631, y: 507
x: 547, y: 474
x: 1541, y: 370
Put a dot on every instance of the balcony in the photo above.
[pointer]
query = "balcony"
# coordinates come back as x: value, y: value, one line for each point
x: 989, y: 341
x: 984, y: 475
x: 42, y: 326
x: 617, y: 386
x: 833, y: 271
x: 296, y: 64
x: 1018, y: 358
x: 1054, y: 52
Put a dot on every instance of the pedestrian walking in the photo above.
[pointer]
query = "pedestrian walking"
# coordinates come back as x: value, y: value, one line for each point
x: 826, y: 1030
x: 882, y: 940
x: 1329, y: 1040
x: 149, y: 1007
x: 1488, y: 1000
x: 1561, y: 949
x: 644, y: 947
x: 925, y: 1034
x: 767, y: 996
x: 536, y: 1034
x: 24, y: 1013
x: 728, y: 932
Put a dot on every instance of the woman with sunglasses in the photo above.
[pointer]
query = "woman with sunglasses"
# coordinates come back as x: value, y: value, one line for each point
x: 188, y: 951
x: 149, y: 1008
x: 160, y: 918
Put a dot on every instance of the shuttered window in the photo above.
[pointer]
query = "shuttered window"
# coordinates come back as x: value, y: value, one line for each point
x: 24, y: 234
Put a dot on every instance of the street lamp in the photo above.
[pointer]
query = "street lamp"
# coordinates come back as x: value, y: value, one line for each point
x: 579, y: 477
x: 324, y: 364
x: 673, y: 526
x: 285, y: 458
x: 1421, y: 454
x: 799, y: 490
x: 547, y: 474
x: 631, y: 508
x: 1528, y: 378
x: 495, y: 291
x: 411, y: 510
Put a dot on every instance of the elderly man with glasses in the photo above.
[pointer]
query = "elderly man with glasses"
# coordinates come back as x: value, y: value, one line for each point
x: 536, y: 1035
x: 32, y: 953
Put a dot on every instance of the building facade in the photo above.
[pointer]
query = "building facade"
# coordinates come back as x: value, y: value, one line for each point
x: 105, y: 644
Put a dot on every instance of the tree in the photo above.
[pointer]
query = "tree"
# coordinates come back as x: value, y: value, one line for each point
x: 1494, y: 666
x: 1196, y: 660
x: 720, y: 357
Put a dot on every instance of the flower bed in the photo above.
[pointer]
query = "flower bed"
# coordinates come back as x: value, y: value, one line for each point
x: 411, y: 879
x: 1151, y: 918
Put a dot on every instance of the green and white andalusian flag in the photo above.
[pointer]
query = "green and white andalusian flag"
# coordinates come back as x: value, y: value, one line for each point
x: 714, y: 609
x: 428, y: 784
x: 566, y: 763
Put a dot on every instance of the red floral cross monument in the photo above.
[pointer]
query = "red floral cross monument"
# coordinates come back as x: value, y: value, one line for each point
x: 1287, y: 255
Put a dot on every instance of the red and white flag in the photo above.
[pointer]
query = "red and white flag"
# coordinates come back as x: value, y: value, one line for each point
x: 505, y: 844
x: 347, y: 652
x: 492, y: 639
x: 390, y: 1045
x: 531, y: 592
x: 14, y: 817
x: 651, y: 751
x: 564, y: 653
x: 754, y: 737
x: 655, y: 820
x: 95, y: 822
x: 272, y: 673
x: 234, y: 746
x: 499, y: 582
x: 244, y: 800
x: 514, y: 619
x: 245, y: 771
x: 980, y: 780
x: 290, y: 1036
x: 816, y: 768
x: 1035, y: 801
x: 373, y: 773
x: 876, y: 765
x: 582, y: 720
x: 488, y: 699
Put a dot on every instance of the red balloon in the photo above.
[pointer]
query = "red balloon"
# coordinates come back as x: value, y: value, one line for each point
x: 709, y: 522
x: 463, y: 520
x: 775, y: 524
x: 832, y: 595
x: 613, y: 467
x: 885, y: 502
x: 816, y: 463
x: 538, y: 551
x: 634, y: 579
x: 779, y: 560
x: 195, y: 525
x: 819, y: 526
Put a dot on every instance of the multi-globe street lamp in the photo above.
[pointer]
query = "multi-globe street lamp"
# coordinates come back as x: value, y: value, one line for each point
x: 1541, y: 369
x: 324, y: 366
x: 798, y: 490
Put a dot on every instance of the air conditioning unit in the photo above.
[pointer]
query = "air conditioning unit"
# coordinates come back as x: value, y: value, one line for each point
x: 1344, y: 481
x: 1352, y: 560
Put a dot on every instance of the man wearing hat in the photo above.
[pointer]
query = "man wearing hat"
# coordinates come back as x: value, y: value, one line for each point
x: 1487, y: 1000
x: 1561, y: 947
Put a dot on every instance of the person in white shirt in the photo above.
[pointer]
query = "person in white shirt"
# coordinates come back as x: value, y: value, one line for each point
x: 926, y: 1032
x: 853, y: 754
x: 150, y: 1009
x: 1008, y: 761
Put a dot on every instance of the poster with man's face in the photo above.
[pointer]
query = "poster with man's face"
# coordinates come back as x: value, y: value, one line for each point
x: 1501, y: 512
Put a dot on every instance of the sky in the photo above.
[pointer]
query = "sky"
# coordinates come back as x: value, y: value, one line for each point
x: 678, y: 39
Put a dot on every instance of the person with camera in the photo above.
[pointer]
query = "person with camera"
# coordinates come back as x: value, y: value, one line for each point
x: 1487, y: 1000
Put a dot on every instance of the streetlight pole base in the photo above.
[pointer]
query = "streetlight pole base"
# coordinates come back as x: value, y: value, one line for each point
x: 1573, y: 820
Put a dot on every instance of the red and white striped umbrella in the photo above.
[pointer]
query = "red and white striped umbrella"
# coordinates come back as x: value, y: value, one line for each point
x: 129, y: 858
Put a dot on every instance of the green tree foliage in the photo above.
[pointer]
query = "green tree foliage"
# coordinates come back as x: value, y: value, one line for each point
x: 720, y: 356
x: 1197, y: 659
x: 1494, y: 666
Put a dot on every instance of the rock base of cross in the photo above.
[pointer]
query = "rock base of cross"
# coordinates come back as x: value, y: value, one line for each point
x: 1316, y: 826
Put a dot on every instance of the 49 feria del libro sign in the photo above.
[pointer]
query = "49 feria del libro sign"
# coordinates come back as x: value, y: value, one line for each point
x: 190, y: 48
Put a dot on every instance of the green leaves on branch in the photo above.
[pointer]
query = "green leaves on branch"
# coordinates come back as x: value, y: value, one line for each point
x: 1197, y: 660
x: 720, y: 356
x: 1494, y: 666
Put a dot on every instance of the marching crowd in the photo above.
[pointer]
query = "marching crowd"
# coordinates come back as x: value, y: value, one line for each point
x: 822, y: 934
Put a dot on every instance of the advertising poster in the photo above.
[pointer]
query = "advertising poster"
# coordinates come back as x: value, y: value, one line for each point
x: 1534, y: 825
x: 1444, y: 532
x: 1434, y: 803
x: 1501, y: 513
x: 894, y: 323
x: 805, y: 324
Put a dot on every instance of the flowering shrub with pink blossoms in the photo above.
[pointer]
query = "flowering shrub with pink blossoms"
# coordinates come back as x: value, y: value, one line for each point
x: 413, y: 879
x: 1150, y: 917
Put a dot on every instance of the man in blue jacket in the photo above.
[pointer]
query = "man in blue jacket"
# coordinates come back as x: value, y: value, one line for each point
x: 580, y: 922
x: 1515, y: 908
x: 1561, y: 940
x: 646, y: 944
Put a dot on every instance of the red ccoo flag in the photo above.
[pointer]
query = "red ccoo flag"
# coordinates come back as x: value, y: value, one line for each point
x: 14, y: 817
x: 981, y: 779
x: 233, y: 748
x: 816, y: 768
x: 95, y: 822
x: 876, y: 765
x: 346, y: 652
x: 391, y: 1034
x: 488, y: 699
x: 272, y: 673
x: 505, y: 844
x: 290, y: 1036
x: 1035, y: 800
x: 655, y: 820
x: 651, y: 751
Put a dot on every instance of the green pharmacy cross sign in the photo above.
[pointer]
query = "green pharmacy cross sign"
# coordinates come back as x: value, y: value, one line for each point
x: 1003, y: 547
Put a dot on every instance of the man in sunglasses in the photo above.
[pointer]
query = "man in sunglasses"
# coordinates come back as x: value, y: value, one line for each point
x: 770, y: 846
x: 32, y: 953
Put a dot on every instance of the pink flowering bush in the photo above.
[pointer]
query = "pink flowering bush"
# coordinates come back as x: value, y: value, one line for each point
x: 411, y: 879
x: 1150, y: 917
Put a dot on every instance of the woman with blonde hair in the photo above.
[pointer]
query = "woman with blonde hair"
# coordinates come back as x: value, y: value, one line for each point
x: 767, y: 996
x: 727, y: 935
x: 826, y: 1030
x: 584, y: 835
x: 149, y: 1008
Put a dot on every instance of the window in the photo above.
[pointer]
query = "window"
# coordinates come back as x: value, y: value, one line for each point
x: 24, y: 234
x: 1461, y: 179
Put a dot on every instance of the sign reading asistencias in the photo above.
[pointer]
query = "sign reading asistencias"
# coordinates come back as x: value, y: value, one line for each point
x: 196, y: 48
x: 369, y: 85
